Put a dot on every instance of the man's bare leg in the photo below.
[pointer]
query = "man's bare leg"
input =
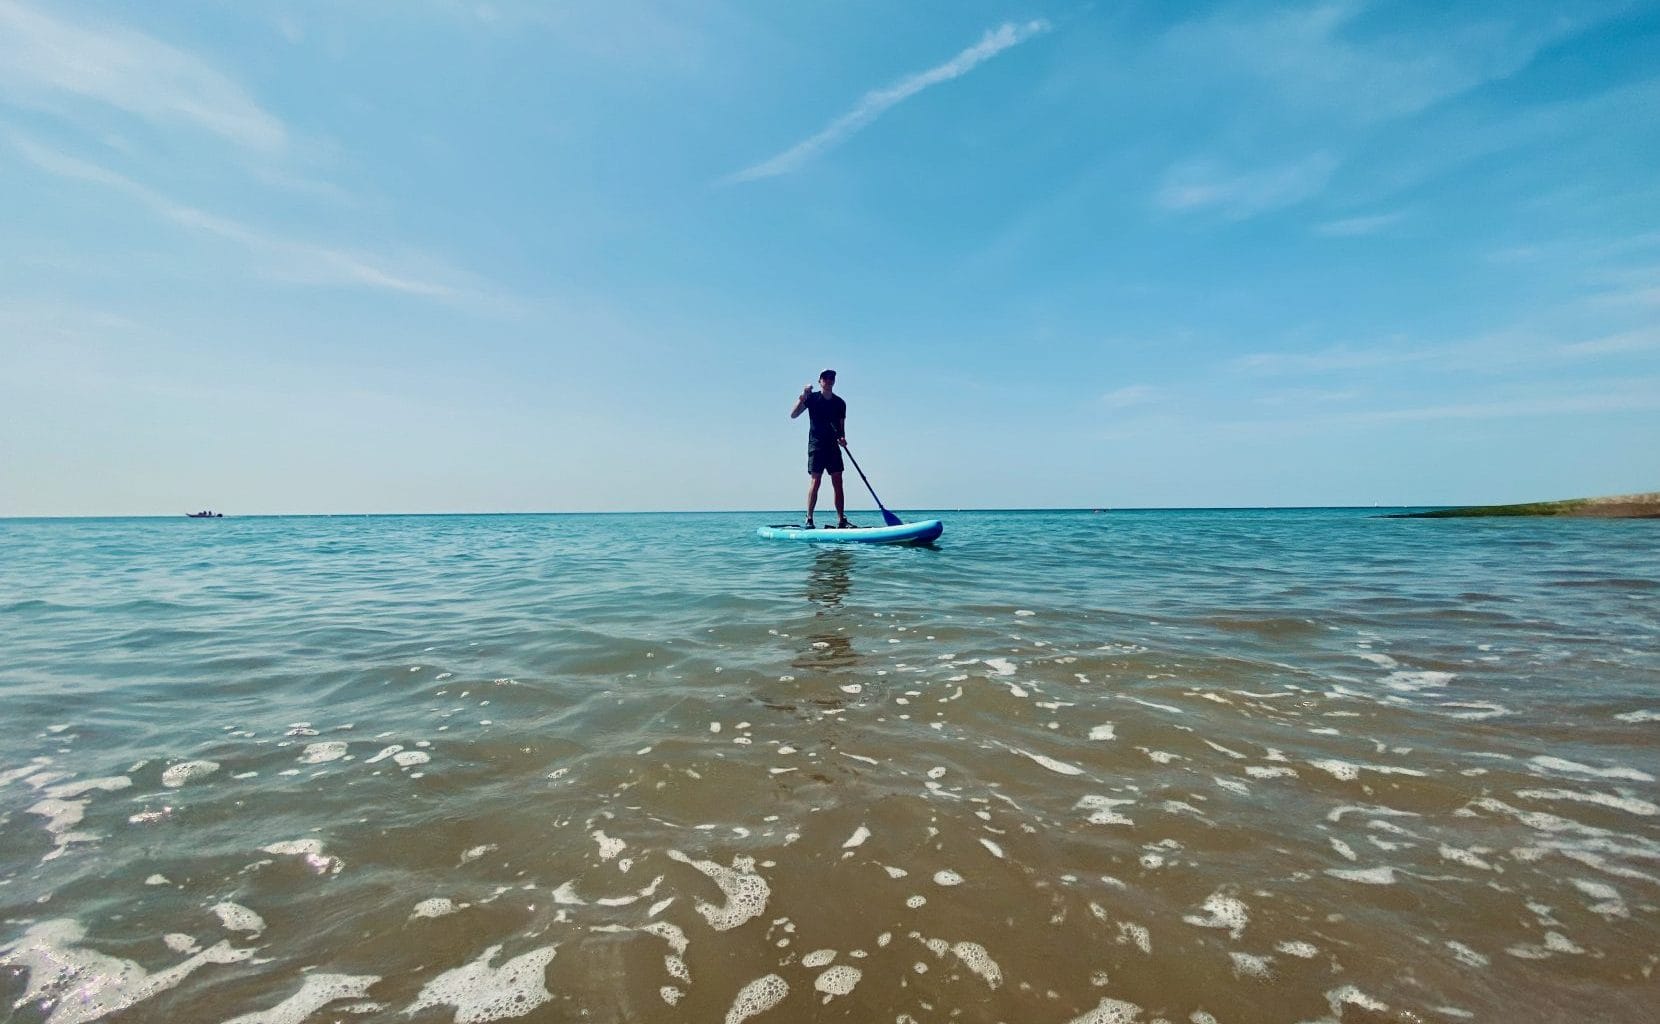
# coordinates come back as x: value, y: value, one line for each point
x: 841, y: 499
x: 812, y: 491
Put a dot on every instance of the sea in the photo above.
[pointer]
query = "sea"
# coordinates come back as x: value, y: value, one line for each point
x: 1061, y: 767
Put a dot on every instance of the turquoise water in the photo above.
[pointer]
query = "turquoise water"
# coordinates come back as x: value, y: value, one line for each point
x: 1256, y: 765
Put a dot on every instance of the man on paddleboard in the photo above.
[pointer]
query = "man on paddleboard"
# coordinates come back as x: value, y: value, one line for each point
x: 826, y: 436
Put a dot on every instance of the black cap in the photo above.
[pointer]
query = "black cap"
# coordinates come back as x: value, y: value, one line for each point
x: 827, y: 375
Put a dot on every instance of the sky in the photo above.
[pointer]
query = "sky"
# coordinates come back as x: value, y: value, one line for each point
x: 453, y: 256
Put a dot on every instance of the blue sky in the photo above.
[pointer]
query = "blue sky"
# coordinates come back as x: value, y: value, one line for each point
x: 513, y: 256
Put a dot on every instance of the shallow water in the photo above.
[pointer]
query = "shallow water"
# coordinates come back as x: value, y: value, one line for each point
x: 1241, y: 766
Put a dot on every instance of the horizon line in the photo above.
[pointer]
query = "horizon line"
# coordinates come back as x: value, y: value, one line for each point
x: 735, y: 512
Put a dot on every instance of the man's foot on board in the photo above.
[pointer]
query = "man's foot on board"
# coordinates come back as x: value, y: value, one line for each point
x: 809, y: 524
x: 844, y: 524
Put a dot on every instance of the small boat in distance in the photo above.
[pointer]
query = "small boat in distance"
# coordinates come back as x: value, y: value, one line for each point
x: 205, y: 514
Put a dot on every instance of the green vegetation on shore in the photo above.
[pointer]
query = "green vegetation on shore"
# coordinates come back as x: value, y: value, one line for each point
x: 1620, y: 506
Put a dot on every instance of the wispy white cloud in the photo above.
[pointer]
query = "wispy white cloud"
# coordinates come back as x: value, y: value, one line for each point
x: 1350, y: 227
x: 288, y: 259
x: 47, y: 59
x: 878, y: 101
x: 1203, y: 184
x: 1310, y: 57
x: 1303, y: 397
x: 1623, y: 399
x: 1615, y: 344
x: 1130, y: 395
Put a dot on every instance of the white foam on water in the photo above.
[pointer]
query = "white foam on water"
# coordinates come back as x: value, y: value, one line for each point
x: 1380, y: 660
x: 70, y: 790
x: 608, y: 847
x: 818, y: 958
x: 837, y: 981
x: 1160, y: 756
x: 316, y: 992
x: 1631, y: 805
x: 1343, y: 849
x: 860, y: 757
x: 85, y: 985
x: 157, y: 880
x: 179, y: 774
x: 1109, y: 1011
x: 757, y: 997
x: 61, y: 816
x: 1023, y: 613
x: 1468, y: 858
x: 1001, y: 666
x: 1412, y: 682
x: 1232, y: 785
x: 1219, y: 748
x: 915, y: 902
x: 320, y: 753
x: 237, y: 918
x: 1298, y: 949
x: 1384, y: 875
x: 746, y: 892
x: 309, y: 850
x: 1341, y: 770
x: 1222, y: 911
x: 438, y: 906
x: 1557, y: 764
x: 670, y: 933
x: 1556, y: 942
x: 179, y: 942
x: 1101, y: 811
x: 894, y: 872
x: 476, y: 852
x: 1058, y: 767
x: 1337, y: 813
x: 670, y: 994
x: 481, y: 993
x: 1594, y: 889
x: 853, y: 688
x: 1467, y: 956
x: 857, y: 839
x: 1475, y: 710
x: 1349, y: 995
x: 975, y: 958
x: 1137, y: 935
x: 1639, y: 716
x: 1104, y: 731
x: 623, y: 901
x: 993, y: 848
x: 947, y: 877
x: 1270, y: 771
x: 1249, y: 965
x: 1201, y: 1017
x: 410, y: 758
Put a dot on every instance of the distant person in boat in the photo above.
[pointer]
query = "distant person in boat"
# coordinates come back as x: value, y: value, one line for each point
x: 826, y: 437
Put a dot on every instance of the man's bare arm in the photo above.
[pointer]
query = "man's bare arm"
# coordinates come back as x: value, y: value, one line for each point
x: 801, y: 402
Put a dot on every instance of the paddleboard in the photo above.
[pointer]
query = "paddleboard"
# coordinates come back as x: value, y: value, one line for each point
x: 907, y: 533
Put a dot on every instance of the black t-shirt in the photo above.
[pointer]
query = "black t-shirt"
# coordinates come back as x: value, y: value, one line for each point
x: 826, y: 416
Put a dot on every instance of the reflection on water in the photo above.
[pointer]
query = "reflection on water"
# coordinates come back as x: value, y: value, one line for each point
x: 829, y: 579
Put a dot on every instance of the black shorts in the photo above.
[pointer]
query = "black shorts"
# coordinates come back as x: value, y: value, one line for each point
x: 824, y: 457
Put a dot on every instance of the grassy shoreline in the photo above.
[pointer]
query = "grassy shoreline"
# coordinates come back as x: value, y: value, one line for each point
x: 1619, y: 506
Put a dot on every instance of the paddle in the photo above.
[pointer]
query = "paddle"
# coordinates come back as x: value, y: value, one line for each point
x: 887, y: 517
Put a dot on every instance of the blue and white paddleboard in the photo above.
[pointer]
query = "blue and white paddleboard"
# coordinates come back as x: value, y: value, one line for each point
x: 907, y: 533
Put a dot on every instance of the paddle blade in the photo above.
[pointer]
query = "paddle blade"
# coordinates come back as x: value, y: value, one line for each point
x: 891, y: 519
